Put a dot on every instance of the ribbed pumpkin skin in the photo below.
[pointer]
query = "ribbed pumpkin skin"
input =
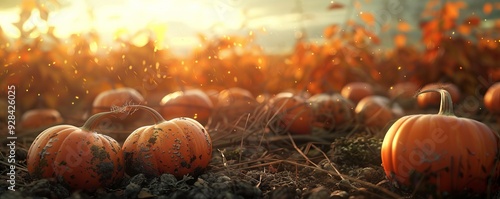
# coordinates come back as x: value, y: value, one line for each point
x: 79, y: 158
x: 456, y: 154
x: 179, y: 146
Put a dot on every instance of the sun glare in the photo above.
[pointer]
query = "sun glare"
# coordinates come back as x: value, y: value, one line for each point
x: 127, y: 17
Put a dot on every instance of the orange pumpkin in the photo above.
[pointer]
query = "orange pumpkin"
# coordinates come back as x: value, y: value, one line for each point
x: 78, y: 157
x: 38, y: 118
x: 192, y: 103
x: 492, y: 98
x: 431, y: 100
x: 356, y: 91
x: 441, y: 151
x: 377, y: 111
x: 234, y: 104
x: 293, y: 112
x: 331, y: 111
x: 179, y: 147
x: 403, y: 93
x: 213, y: 95
x: 106, y: 100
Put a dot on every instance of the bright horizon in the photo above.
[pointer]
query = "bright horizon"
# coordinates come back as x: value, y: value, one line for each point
x: 177, y: 23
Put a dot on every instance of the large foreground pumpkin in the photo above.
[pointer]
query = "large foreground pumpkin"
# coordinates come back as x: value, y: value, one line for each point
x: 441, y: 151
x: 180, y: 146
x: 78, y: 157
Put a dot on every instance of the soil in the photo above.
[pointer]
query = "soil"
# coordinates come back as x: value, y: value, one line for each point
x: 251, y: 159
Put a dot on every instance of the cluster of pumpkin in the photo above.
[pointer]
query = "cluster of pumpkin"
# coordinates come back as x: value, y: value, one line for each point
x: 182, y: 145
x: 82, y: 158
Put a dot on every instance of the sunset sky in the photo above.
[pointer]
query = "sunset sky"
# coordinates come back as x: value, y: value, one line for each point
x: 275, y: 24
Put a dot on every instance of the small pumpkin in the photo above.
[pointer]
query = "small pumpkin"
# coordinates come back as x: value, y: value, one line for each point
x: 78, y: 157
x: 492, y: 98
x: 292, y: 112
x: 331, y: 111
x: 377, y: 111
x: 192, y: 103
x: 356, y: 91
x: 432, y: 100
x: 233, y: 105
x: 38, y: 118
x: 179, y: 146
x: 106, y: 100
x: 441, y: 151
x: 403, y: 93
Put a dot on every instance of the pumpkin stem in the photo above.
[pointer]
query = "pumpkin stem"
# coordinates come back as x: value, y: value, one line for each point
x: 156, y: 116
x: 446, y: 107
x: 93, y: 121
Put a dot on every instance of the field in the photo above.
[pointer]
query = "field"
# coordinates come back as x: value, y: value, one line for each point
x: 261, y: 147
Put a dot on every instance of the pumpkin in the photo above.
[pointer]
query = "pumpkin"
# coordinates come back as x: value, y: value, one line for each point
x: 441, y: 151
x: 492, y: 98
x: 403, y: 93
x: 179, y: 146
x: 213, y: 95
x: 377, y: 111
x: 233, y: 105
x: 192, y: 103
x: 106, y: 100
x: 331, y: 111
x: 432, y: 100
x: 292, y: 112
x: 38, y: 118
x: 356, y: 91
x: 78, y: 157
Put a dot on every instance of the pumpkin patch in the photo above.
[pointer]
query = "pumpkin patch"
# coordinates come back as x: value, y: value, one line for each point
x: 249, y: 99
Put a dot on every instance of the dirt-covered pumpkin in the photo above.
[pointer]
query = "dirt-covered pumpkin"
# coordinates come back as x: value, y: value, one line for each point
x: 292, y: 112
x: 377, y: 111
x: 356, y: 91
x: 106, y: 100
x: 331, y: 111
x: 179, y: 146
x: 441, y: 152
x: 78, y: 157
x: 38, y: 118
x: 192, y: 103
x: 234, y: 105
x: 492, y: 98
x: 432, y: 100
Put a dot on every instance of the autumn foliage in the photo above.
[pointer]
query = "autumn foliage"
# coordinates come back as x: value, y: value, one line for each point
x: 67, y: 74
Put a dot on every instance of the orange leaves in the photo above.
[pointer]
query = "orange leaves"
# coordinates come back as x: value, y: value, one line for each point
x: 400, y: 40
x: 335, y: 6
x: 330, y: 31
x: 404, y: 26
x: 487, y: 8
x: 470, y: 22
x: 368, y: 18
